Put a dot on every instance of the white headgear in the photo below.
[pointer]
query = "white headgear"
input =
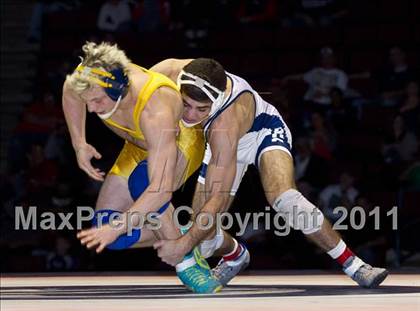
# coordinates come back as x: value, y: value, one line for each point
x: 204, y: 86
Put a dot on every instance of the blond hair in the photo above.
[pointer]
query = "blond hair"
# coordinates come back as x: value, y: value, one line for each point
x: 103, y: 56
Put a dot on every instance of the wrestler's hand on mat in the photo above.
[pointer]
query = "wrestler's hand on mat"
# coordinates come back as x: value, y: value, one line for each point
x: 98, y: 238
x: 171, y: 252
x: 84, y: 154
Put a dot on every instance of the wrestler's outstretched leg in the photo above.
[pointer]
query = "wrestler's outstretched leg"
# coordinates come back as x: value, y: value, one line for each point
x: 277, y: 176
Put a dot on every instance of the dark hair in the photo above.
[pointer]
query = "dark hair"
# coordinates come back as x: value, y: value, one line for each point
x: 209, y: 70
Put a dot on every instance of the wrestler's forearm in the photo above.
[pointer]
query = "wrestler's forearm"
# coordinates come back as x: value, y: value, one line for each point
x: 150, y: 201
x: 201, y: 228
x: 76, y: 125
x: 219, y: 181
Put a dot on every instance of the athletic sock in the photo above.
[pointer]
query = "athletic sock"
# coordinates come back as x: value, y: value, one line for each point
x: 187, y: 262
x: 346, y: 258
x: 233, y: 255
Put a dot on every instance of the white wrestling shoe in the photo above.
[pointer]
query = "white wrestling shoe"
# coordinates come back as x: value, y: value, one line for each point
x: 226, y: 270
x: 369, y: 277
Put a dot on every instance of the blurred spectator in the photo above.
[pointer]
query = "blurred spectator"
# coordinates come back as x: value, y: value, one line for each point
x: 61, y: 198
x: 321, y: 80
x: 341, y: 194
x: 410, y: 107
x: 393, y: 77
x: 410, y: 178
x: 151, y: 15
x: 257, y: 12
x: 313, y: 13
x: 402, y: 145
x: 309, y: 167
x: 58, y: 145
x: 176, y: 14
x: 341, y: 115
x: 38, y: 121
x: 56, y: 76
x: 195, y: 18
x: 323, y: 137
x: 41, y: 174
x: 41, y: 116
x: 279, y: 97
x: 114, y: 16
x: 43, y: 7
x: 60, y: 259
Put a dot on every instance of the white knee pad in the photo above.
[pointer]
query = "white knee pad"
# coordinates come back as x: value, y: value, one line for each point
x: 298, y: 212
x: 208, y: 247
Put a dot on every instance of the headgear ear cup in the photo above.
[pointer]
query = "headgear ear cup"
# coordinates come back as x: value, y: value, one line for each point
x: 115, y: 82
x: 118, y: 84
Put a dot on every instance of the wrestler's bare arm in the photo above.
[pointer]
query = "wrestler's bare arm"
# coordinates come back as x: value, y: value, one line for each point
x: 75, y: 115
x: 221, y: 170
x: 171, y: 67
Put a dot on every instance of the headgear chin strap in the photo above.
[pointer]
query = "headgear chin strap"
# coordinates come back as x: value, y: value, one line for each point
x: 108, y: 115
x: 204, y: 86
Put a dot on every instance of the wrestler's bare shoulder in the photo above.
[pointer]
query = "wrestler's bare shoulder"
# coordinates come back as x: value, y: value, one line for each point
x: 239, y: 115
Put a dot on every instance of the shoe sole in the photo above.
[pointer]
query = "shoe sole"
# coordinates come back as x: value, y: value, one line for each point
x: 217, y: 289
x: 214, y: 291
x: 378, y: 280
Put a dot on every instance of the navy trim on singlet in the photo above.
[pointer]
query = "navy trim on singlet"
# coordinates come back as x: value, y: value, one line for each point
x: 265, y: 120
x: 203, y: 170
